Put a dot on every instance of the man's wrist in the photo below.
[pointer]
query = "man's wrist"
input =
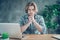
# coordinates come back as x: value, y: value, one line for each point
x: 29, y: 23
x: 34, y: 21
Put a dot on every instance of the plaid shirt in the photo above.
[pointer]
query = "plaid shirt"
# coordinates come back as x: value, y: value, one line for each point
x: 32, y: 29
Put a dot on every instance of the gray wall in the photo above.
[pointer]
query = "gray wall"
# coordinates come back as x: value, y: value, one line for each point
x: 11, y: 10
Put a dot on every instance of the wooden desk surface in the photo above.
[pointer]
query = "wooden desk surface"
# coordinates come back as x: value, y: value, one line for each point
x: 38, y: 37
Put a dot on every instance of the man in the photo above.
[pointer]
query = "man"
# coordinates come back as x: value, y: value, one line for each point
x: 31, y: 23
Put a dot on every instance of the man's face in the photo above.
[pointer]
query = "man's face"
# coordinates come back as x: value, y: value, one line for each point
x: 31, y: 10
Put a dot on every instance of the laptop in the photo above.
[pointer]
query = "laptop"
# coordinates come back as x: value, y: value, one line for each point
x: 13, y: 29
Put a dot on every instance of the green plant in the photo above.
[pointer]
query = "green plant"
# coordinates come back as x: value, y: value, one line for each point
x: 5, y: 35
x: 50, y: 14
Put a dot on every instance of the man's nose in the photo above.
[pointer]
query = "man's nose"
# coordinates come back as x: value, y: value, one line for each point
x: 31, y: 11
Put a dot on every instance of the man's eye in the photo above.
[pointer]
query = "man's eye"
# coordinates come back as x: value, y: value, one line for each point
x: 28, y: 9
x: 32, y: 9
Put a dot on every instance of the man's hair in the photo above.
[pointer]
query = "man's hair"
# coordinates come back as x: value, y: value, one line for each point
x: 31, y: 4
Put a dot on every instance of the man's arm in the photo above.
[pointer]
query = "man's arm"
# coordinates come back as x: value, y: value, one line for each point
x: 39, y: 27
x: 24, y: 27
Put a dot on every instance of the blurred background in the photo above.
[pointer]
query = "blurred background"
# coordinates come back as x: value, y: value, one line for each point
x: 11, y: 10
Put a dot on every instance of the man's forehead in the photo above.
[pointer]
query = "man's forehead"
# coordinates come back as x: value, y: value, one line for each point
x: 31, y: 7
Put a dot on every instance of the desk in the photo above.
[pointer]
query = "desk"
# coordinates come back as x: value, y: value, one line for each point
x: 38, y: 37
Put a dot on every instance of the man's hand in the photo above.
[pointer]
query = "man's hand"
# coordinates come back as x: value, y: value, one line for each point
x: 29, y: 19
x: 32, y: 17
